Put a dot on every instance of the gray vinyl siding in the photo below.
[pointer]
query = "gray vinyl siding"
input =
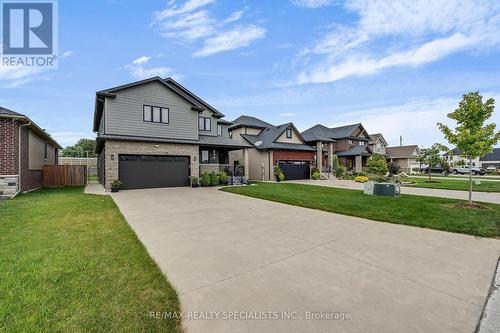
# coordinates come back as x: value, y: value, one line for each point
x: 225, y: 130
x: 101, y: 124
x: 213, y: 126
x: 124, y: 114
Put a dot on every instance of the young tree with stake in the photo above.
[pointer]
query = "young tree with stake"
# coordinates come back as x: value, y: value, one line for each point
x: 432, y: 156
x: 471, y: 135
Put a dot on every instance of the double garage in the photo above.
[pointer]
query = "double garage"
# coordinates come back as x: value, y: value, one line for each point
x: 152, y: 171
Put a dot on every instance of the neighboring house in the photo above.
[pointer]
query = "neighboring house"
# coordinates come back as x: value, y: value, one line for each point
x: 350, y: 143
x: 282, y: 145
x: 404, y: 156
x: 156, y: 133
x: 378, y: 144
x: 455, y: 157
x: 491, y: 160
x: 24, y: 149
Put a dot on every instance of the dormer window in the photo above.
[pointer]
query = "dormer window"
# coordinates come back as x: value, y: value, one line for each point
x: 288, y: 133
x: 361, y: 143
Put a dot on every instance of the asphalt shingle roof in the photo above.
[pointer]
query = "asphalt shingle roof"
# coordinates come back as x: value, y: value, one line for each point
x: 354, y: 151
x: 493, y: 156
x: 323, y: 133
x: 400, y: 151
x: 249, y: 122
x: 7, y: 112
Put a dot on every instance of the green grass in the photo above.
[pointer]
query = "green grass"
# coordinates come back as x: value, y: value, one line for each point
x: 92, y: 178
x: 452, y: 184
x: 69, y: 262
x: 427, y: 212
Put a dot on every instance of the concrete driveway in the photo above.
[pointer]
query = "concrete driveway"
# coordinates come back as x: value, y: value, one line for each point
x: 231, y: 256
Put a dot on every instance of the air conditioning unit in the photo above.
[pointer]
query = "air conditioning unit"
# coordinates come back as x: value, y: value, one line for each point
x: 387, y: 189
x: 369, y: 188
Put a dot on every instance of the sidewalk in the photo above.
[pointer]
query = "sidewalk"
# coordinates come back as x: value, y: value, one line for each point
x: 95, y: 188
x: 452, y: 194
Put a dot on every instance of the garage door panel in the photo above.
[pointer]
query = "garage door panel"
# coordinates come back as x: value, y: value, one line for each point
x: 150, y: 171
x: 295, y: 169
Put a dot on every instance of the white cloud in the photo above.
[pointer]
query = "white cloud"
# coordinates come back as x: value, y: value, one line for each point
x: 15, y: 76
x: 289, y: 114
x: 67, y: 54
x: 193, y: 22
x: 141, y: 60
x: 138, y: 69
x: 400, y: 33
x: 423, y: 115
x: 69, y: 138
x: 312, y: 3
x: 230, y: 40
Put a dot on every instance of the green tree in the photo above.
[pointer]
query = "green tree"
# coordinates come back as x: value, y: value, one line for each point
x: 471, y: 135
x: 83, y: 148
x: 377, y: 165
x: 432, y: 156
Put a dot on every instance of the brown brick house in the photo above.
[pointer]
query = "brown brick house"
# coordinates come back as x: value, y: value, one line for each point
x: 282, y: 145
x: 350, y: 143
x: 24, y: 149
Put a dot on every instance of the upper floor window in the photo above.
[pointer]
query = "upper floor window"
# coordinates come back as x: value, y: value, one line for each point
x: 288, y: 133
x: 350, y: 142
x: 155, y: 114
x: 45, y: 150
x: 219, y: 130
x: 204, y: 124
x: 230, y: 134
x: 361, y: 143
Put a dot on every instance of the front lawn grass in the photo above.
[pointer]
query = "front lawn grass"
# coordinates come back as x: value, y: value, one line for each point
x: 453, y: 184
x: 427, y: 212
x: 70, y: 263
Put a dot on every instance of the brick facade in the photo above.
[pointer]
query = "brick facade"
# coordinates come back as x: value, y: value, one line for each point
x: 293, y: 155
x: 9, y: 147
x: 116, y: 148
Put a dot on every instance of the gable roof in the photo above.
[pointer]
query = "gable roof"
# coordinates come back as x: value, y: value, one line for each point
x: 401, y: 151
x: 355, y: 151
x: 375, y: 137
x: 249, y: 121
x: 453, y: 152
x: 198, y: 104
x: 6, y: 113
x: 266, y: 139
x: 323, y: 133
x: 493, y: 156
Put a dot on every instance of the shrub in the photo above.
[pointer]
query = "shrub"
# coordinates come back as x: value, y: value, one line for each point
x: 315, y: 175
x: 377, y: 165
x: 361, y: 179
x: 193, y: 181
x: 393, y: 168
x: 340, y: 171
x: 223, y: 178
x: 116, y: 184
x: 281, y: 177
x: 314, y: 170
x: 378, y: 178
x: 205, y: 179
x: 214, y: 179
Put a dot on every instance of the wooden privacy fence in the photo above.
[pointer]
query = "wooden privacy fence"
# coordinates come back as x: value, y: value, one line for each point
x: 64, y: 175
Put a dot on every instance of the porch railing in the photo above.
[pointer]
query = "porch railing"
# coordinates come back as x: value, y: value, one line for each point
x: 233, y: 172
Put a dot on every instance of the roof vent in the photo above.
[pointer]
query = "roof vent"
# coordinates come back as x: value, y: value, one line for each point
x: 258, y: 143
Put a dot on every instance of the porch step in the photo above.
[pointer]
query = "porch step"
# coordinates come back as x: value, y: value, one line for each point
x: 324, y: 176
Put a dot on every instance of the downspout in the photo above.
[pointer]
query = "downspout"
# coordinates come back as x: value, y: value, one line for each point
x: 19, y: 158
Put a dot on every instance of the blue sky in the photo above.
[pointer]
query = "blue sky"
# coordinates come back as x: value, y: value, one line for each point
x: 396, y: 66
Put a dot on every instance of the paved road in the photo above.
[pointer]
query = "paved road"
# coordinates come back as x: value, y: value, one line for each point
x: 463, y: 195
x: 227, y: 253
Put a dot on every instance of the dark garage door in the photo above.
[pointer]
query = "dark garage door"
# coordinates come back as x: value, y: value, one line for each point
x: 295, y: 169
x: 148, y: 171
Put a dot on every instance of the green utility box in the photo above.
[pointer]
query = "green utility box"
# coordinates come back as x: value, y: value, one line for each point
x: 387, y: 189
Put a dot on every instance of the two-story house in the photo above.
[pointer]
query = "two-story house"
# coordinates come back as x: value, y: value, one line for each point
x: 350, y: 143
x: 24, y: 149
x: 281, y: 145
x: 378, y: 144
x: 156, y: 133
x: 404, y: 156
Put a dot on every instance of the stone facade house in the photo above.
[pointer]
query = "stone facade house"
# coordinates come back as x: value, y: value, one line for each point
x: 350, y: 143
x: 281, y: 145
x: 156, y: 133
x: 24, y: 149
